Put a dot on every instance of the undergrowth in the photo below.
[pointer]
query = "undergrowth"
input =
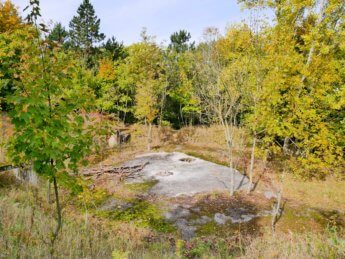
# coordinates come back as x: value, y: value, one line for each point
x: 27, y: 221
x: 142, y: 214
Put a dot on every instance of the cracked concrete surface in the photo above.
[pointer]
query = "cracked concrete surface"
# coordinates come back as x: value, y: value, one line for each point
x: 180, y: 174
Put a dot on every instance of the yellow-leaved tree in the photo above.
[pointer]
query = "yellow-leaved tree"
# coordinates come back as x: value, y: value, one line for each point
x: 304, y: 59
x: 145, y: 71
x: 9, y: 17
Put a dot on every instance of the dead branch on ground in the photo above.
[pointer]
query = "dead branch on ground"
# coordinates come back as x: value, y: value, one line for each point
x: 122, y: 172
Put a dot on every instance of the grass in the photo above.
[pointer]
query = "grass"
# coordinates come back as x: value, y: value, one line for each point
x: 325, y: 195
x: 144, y: 214
x: 208, y: 143
x: 141, y: 187
x: 327, y: 245
x: 206, y: 157
x: 27, y: 219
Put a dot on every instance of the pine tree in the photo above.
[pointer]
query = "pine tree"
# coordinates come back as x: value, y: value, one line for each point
x: 58, y: 34
x: 84, y: 28
x: 114, y: 49
x: 180, y: 41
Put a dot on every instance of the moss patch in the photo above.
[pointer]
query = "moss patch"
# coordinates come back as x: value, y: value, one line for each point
x: 141, y: 187
x: 303, y: 219
x: 206, y: 158
x: 207, y: 229
x: 143, y: 214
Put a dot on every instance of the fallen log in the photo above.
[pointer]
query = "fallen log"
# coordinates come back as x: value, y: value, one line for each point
x: 123, y: 171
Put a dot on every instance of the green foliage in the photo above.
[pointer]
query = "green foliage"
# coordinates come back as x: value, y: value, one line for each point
x: 143, y: 214
x: 9, y: 17
x: 26, y: 218
x: 182, y: 105
x: 198, y: 249
x: 89, y: 199
x: 114, y: 49
x: 145, y: 63
x: 116, y: 92
x: 58, y: 34
x: 142, y: 79
x: 179, y: 41
x: 24, y: 222
x: 49, y: 96
x: 11, y: 50
x: 302, y: 60
x: 119, y: 255
x: 142, y: 187
x: 282, y: 81
x: 84, y: 29
x: 208, y: 229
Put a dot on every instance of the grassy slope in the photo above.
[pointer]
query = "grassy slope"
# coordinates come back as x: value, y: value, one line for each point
x: 27, y: 220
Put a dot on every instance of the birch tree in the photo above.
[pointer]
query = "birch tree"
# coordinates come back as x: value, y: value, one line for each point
x: 254, y: 88
x: 303, y: 57
x: 220, y: 89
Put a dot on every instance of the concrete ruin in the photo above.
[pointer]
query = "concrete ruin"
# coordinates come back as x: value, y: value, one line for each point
x: 179, y: 174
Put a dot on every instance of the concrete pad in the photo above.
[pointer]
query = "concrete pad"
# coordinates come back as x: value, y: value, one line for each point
x: 180, y: 174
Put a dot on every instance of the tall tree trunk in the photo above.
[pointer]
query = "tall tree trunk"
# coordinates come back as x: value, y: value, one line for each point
x: 182, y: 117
x: 163, y: 104
x: 58, y: 210
x: 277, y: 208
x: 286, y: 146
x: 251, y: 168
x: 3, y: 137
x: 321, y: 17
x: 276, y: 211
x: 125, y: 113
x: 228, y: 137
x: 48, y: 192
x: 149, y: 136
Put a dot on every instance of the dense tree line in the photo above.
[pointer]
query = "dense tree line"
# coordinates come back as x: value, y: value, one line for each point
x: 283, y: 81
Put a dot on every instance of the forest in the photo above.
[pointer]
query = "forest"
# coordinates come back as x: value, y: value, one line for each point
x: 265, y: 100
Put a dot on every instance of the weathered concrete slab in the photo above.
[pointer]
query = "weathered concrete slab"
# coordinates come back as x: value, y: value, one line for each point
x: 180, y: 174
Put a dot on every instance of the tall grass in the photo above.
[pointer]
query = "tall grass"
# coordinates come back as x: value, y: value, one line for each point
x: 307, y: 245
x: 27, y: 221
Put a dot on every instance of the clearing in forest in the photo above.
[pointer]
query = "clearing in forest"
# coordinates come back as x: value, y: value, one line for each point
x: 179, y: 174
